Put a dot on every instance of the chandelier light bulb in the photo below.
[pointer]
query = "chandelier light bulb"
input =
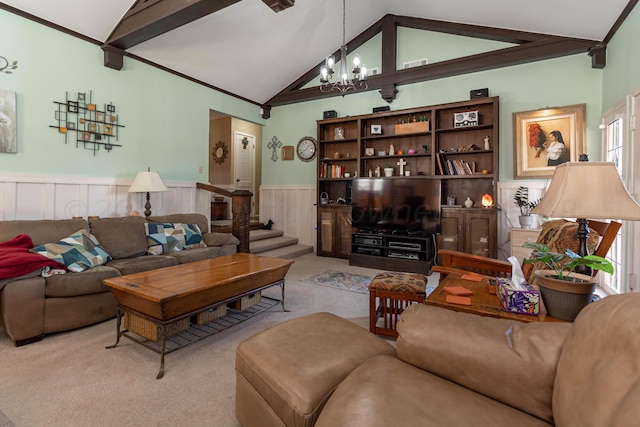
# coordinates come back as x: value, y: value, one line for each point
x: 363, y: 73
x: 356, y: 61
x: 330, y: 62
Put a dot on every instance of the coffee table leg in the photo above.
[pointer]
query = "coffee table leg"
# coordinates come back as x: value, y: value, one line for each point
x: 164, y: 345
x: 282, y: 299
x: 118, y: 322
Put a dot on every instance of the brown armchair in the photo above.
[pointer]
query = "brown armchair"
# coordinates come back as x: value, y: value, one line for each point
x: 460, y: 262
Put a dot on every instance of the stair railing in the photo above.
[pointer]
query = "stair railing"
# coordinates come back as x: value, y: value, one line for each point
x: 240, y: 212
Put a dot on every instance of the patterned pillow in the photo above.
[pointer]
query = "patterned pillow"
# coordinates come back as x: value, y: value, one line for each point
x: 172, y: 237
x: 79, y: 251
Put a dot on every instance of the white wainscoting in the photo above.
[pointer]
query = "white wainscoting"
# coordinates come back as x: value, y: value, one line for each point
x: 27, y: 196
x: 293, y: 210
x: 508, y: 216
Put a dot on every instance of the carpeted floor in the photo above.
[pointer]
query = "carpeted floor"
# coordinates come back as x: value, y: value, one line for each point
x: 70, y: 379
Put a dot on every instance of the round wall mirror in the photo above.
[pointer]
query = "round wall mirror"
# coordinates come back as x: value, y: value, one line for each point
x: 220, y: 152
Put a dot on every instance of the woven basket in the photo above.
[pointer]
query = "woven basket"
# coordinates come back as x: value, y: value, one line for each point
x: 209, y: 315
x: 150, y: 330
x: 246, y: 301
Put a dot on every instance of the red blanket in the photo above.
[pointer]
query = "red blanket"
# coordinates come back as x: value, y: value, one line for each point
x: 16, y: 260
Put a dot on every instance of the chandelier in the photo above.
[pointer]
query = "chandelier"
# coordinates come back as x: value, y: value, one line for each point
x: 344, y: 83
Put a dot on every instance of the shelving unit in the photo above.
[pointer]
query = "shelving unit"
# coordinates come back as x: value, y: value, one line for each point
x: 423, y: 139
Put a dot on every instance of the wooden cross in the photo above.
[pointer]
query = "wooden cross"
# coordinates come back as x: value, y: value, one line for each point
x: 402, y: 164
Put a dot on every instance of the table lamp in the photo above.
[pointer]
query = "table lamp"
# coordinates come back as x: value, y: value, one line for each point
x: 584, y: 190
x: 149, y: 182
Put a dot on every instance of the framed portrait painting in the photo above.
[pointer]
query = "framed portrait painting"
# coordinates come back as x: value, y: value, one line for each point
x: 546, y: 138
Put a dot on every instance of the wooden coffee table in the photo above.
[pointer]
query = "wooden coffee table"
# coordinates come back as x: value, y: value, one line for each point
x: 170, y: 295
x: 482, y: 302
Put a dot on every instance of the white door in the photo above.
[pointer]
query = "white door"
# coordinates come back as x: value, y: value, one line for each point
x: 243, y: 160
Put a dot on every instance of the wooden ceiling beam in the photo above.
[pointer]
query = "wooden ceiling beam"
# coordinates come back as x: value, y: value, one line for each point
x: 151, y: 18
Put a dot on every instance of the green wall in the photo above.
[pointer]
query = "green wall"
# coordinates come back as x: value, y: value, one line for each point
x: 551, y: 83
x: 166, y: 118
x: 622, y: 73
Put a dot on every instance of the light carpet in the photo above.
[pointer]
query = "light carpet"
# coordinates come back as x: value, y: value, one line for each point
x: 70, y: 379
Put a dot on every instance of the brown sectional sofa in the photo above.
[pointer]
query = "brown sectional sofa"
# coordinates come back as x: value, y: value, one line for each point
x: 33, y: 306
x: 448, y: 369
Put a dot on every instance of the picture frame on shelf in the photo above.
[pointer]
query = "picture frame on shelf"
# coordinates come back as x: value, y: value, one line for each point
x: 546, y: 138
x: 338, y: 133
x: 376, y: 129
x: 99, y: 116
x: 108, y: 129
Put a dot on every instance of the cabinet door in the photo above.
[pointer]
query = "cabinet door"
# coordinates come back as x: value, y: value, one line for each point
x: 344, y: 230
x: 480, y: 234
x: 326, y: 232
x: 451, y: 234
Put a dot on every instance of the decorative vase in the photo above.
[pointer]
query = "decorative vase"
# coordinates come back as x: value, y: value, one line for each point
x: 468, y: 203
x: 388, y: 171
x: 564, y: 299
x: 526, y: 221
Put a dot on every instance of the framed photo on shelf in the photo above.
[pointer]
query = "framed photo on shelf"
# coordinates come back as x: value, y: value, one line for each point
x: 99, y: 116
x: 92, y: 127
x: 108, y: 129
x: 546, y: 138
x: 376, y: 129
x: 338, y: 133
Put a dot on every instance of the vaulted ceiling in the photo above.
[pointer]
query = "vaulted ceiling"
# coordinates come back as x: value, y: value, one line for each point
x: 247, y: 49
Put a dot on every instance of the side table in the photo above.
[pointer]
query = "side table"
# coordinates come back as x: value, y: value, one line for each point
x: 482, y: 302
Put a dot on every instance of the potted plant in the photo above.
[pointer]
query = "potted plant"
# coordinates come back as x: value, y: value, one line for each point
x: 521, y: 199
x: 565, y: 292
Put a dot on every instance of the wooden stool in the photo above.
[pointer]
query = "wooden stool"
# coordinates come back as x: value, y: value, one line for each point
x: 393, y: 292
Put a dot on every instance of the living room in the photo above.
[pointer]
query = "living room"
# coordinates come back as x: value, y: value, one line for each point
x: 166, y: 126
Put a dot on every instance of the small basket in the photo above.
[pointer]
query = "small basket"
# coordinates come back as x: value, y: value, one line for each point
x: 246, y: 301
x: 209, y: 315
x: 147, y: 329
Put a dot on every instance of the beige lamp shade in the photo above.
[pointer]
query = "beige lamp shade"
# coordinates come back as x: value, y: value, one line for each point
x: 147, y: 182
x: 588, y: 190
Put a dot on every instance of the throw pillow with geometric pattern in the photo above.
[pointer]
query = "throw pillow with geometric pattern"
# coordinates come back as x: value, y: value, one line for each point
x: 172, y: 237
x: 78, y: 252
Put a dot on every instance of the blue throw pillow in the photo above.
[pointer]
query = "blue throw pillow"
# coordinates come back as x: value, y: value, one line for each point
x: 79, y: 251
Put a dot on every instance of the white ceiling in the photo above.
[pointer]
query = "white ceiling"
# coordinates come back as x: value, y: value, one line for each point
x: 251, y: 51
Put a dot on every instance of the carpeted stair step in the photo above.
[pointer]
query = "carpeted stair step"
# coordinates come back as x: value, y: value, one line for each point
x: 263, y: 245
x: 255, y: 235
x: 288, y: 252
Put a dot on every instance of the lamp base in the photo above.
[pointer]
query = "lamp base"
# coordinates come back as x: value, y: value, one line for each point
x: 583, y: 236
x: 147, y: 206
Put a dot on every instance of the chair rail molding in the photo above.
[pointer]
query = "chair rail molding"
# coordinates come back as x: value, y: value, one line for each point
x: 34, y: 197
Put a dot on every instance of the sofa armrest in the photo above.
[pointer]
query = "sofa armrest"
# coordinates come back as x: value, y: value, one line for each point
x: 219, y: 239
x: 509, y: 361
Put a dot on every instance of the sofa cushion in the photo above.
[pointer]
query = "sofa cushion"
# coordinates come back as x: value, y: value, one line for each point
x: 598, y: 380
x: 385, y: 391
x: 172, y: 237
x: 184, y: 218
x: 78, y: 251
x: 84, y: 283
x: 220, y: 239
x: 41, y: 231
x: 295, y: 365
x: 200, y: 254
x: 121, y: 237
x: 142, y: 263
x: 510, y: 361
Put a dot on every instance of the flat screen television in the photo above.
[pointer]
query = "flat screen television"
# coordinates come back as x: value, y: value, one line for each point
x: 397, y: 205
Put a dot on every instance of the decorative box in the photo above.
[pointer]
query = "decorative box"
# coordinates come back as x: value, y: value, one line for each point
x: 515, y: 300
x: 413, y: 127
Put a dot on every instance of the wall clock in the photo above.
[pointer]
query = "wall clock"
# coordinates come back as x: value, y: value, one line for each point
x: 307, y: 148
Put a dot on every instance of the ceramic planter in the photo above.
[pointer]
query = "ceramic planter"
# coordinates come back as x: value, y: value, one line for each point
x: 564, y: 299
x: 526, y: 221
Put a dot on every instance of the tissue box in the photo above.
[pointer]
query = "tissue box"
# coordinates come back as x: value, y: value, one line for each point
x: 515, y: 300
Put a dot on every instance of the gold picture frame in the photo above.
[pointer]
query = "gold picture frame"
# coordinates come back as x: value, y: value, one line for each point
x: 548, y: 137
x: 287, y: 152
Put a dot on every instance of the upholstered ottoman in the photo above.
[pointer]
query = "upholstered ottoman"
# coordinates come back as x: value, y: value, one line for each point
x: 285, y: 374
x: 390, y: 293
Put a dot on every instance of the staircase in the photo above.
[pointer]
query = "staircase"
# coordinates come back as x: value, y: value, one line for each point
x: 273, y: 243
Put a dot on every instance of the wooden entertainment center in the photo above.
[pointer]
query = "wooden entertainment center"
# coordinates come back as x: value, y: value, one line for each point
x: 457, y: 143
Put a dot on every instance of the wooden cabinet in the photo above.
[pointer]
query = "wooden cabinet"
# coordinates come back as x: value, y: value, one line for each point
x: 471, y: 230
x: 518, y: 237
x: 457, y: 143
x: 334, y: 231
